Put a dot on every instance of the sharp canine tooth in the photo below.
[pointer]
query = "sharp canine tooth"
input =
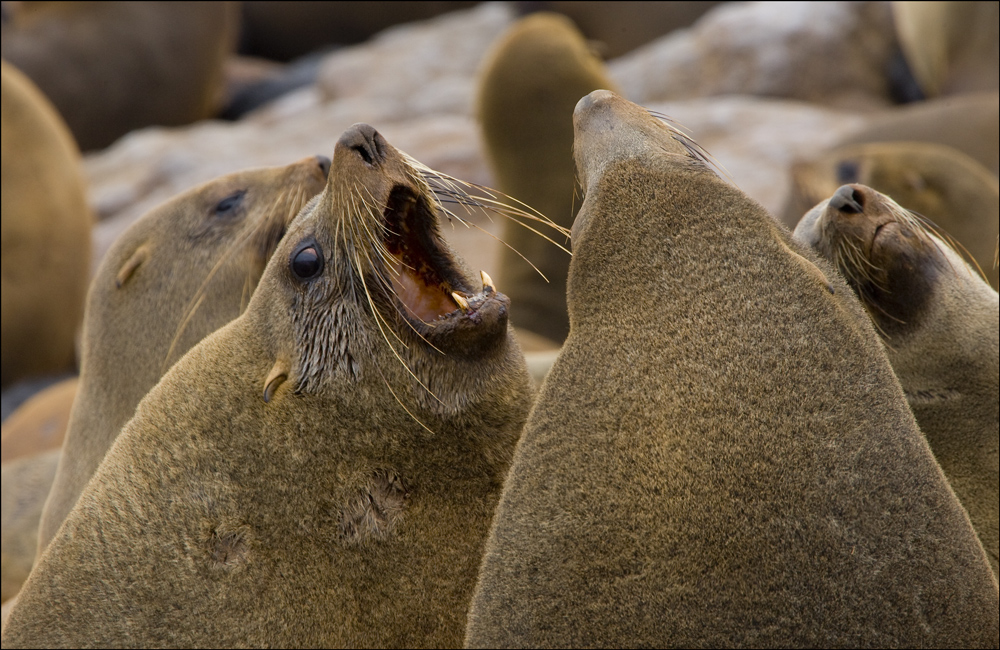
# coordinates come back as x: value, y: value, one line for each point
x: 462, y: 302
x: 488, y: 281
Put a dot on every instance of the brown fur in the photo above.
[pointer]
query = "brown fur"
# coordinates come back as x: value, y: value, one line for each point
x: 705, y: 465
x: 112, y: 67
x: 46, y: 234
x: 528, y: 87
x: 178, y: 274
x: 39, y: 425
x: 287, y: 30
x: 951, y: 189
x: 943, y: 342
x: 951, y: 47
x: 969, y: 123
x: 26, y: 482
x: 290, y: 481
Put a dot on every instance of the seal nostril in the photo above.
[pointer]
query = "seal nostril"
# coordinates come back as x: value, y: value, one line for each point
x: 364, y: 139
x: 847, y: 200
x: 324, y: 165
x: 365, y: 154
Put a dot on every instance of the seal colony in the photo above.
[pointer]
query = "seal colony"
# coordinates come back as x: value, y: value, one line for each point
x: 940, y: 323
x: 743, y: 482
x: 181, y: 272
x: 322, y: 470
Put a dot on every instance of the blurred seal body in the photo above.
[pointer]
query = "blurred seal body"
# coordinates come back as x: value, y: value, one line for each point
x: 113, y: 67
x: 528, y: 86
x: 46, y: 234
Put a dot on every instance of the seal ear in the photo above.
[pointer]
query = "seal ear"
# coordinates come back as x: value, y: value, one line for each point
x: 140, y: 255
x: 275, y: 378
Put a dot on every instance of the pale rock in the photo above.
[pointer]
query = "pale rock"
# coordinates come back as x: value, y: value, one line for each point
x: 830, y: 53
x: 422, y: 67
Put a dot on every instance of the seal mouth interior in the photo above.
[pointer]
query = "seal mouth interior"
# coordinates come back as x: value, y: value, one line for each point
x: 424, y: 276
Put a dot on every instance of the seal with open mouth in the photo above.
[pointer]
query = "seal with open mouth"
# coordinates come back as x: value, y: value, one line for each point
x: 321, y: 471
x: 940, y: 323
x: 721, y: 455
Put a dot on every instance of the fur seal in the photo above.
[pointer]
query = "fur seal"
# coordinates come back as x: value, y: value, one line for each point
x: 704, y: 466
x: 951, y: 189
x: 528, y: 86
x: 112, y: 67
x: 26, y: 482
x: 40, y: 423
x: 179, y: 273
x: 941, y: 327
x: 46, y: 234
x: 383, y: 381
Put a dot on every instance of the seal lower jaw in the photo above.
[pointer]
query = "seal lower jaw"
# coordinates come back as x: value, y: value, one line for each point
x: 432, y: 294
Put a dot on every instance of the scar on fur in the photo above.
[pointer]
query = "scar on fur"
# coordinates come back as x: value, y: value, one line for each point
x: 374, y: 512
x: 228, y: 547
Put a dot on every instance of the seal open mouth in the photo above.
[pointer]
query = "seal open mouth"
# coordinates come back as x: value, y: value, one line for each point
x: 424, y: 276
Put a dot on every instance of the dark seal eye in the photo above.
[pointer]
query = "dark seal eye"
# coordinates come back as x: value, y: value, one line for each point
x: 307, y: 261
x: 847, y: 172
x: 228, y: 204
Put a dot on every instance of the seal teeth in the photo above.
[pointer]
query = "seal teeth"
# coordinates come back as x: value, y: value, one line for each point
x: 462, y: 302
x: 488, y: 282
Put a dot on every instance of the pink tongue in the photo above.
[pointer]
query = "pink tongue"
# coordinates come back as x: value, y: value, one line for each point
x: 422, y: 301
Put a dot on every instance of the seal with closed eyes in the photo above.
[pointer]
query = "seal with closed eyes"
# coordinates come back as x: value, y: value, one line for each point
x: 321, y: 471
x: 951, y: 189
x: 940, y: 323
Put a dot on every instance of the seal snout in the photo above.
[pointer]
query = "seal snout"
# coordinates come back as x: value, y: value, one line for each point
x: 848, y: 199
x: 364, y: 140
